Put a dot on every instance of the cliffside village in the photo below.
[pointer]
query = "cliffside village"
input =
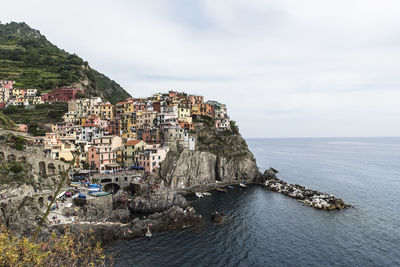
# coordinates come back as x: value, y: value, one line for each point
x: 133, y: 134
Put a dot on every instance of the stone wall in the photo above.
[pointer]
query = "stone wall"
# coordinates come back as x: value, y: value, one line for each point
x: 35, y: 159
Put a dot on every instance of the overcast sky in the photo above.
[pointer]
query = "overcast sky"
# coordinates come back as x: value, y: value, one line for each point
x: 284, y: 68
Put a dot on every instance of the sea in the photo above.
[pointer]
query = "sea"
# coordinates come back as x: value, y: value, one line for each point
x: 265, y: 228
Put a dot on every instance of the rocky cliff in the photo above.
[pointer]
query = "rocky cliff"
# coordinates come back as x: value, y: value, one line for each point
x: 191, y: 169
x: 221, y: 156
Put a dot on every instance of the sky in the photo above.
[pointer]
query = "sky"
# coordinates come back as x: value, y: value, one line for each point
x: 285, y: 68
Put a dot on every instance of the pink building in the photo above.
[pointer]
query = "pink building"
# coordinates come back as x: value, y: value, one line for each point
x: 139, y: 106
x: 23, y: 128
x: 152, y: 157
x: 102, y: 154
x: 196, y: 99
x: 6, y: 84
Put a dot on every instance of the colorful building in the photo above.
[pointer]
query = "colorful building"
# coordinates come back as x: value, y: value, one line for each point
x: 132, y: 149
x: 102, y: 154
x: 63, y: 94
x: 107, y: 111
x: 152, y: 156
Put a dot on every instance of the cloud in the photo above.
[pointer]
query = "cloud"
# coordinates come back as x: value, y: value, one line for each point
x: 284, y: 67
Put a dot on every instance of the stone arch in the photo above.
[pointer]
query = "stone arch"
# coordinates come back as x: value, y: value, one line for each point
x: 1, y: 156
x: 51, y: 168
x: 22, y: 159
x: 11, y: 158
x: 112, y: 188
x: 42, y: 168
x: 106, y: 180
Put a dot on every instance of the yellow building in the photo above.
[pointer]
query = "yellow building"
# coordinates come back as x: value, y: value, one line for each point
x: 107, y: 111
x: 17, y: 92
x: 132, y: 149
x: 157, y: 97
x: 129, y: 107
x: 128, y: 126
x: 183, y: 112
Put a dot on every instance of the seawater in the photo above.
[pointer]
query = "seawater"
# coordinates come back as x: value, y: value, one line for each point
x: 265, y: 228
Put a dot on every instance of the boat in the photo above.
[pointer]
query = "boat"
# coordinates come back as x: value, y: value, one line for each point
x: 148, y: 234
x: 92, y: 193
x: 93, y: 189
x: 206, y: 194
x: 222, y: 190
x: 80, y: 195
x: 100, y: 194
x: 242, y: 185
x: 199, y: 194
x: 230, y: 186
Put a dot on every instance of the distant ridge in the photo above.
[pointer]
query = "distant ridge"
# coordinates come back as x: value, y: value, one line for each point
x: 27, y: 57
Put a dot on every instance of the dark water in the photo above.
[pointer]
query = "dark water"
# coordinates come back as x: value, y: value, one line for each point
x: 268, y: 229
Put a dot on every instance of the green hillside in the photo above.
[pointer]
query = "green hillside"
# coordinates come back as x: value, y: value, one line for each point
x: 32, y: 61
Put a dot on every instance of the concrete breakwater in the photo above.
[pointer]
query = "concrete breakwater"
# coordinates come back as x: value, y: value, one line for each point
x: 305, y: 195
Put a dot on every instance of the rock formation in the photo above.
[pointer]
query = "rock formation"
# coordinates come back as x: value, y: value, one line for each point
x: 171, y: 219
x: 157, y: 200
x: 305, y: 195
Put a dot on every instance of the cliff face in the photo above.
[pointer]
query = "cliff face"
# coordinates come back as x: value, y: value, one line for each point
x: 220, y: 156
x: 20, y: 214
x: 197, y: 168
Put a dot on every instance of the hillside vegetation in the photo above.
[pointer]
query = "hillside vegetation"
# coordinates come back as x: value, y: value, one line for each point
x: 224, y: 143
x: 37, y: 116
x: 6, y: 122
x: 32, y: 61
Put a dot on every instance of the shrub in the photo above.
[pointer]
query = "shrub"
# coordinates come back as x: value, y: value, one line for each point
x: 234, y: 127
x: 16, y: 167
x: 66, y: 250
x: 19, y: 146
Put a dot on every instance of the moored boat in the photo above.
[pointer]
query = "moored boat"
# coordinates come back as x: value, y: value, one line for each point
x: 242, y: 185
x: 148, y: 234
x: 230, y: 186
x: 99, y: 194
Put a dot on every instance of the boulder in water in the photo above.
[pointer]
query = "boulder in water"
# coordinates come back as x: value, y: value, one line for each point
x: 216, y: 217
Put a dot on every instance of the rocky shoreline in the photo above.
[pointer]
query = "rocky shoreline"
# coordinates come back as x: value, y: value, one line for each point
x: 172, y: 219
x: 164, y: 205
x: 303, y: 194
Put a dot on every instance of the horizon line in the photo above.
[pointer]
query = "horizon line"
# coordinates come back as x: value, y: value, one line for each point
x: 310, y: 137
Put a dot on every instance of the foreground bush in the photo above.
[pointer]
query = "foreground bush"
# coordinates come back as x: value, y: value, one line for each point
x: 66, y: 250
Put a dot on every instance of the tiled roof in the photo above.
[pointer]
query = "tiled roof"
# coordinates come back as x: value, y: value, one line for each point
x: 132, y: 142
